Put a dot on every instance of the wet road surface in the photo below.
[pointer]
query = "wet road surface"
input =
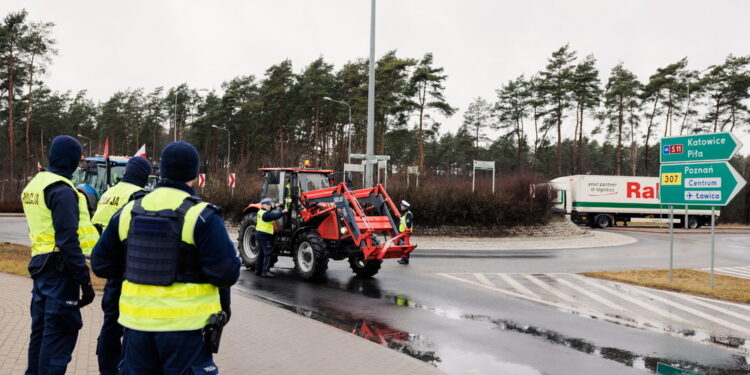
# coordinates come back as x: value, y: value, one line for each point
x: 462, y: 312
x: 510, y: 312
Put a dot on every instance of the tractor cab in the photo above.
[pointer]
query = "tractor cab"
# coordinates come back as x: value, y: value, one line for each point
x: 92, y: 180
x: 284, y: 185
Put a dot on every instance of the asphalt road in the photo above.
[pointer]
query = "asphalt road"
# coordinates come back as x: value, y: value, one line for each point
x: 525, y: 311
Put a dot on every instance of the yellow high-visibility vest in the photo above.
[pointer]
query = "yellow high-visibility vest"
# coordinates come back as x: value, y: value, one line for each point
x: 402, y: 223
x: 180, y: 306
x: 111, y: 201
x: 39, y: 216
x: 262, y: 225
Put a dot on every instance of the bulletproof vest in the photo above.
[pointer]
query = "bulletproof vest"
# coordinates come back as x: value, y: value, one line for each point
x: 155, y: 252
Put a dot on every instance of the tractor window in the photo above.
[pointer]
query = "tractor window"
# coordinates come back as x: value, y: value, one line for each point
x: 271, y: 185
x: 313, y: 181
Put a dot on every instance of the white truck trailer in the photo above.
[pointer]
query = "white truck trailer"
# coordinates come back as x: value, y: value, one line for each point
x: 602, y: 201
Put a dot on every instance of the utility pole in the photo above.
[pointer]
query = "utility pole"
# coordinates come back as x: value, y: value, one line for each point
x: 371, y: 102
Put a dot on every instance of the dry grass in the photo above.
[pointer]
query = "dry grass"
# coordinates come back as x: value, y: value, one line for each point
x: 689, y: 281
x: 14, y: 259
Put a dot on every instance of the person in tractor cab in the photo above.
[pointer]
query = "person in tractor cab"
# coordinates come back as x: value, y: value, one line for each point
x: 264, y: 236
x: 405, y: 225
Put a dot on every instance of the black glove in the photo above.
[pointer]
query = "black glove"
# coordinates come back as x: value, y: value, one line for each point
x: 228, y: 312
x: 87, y: 295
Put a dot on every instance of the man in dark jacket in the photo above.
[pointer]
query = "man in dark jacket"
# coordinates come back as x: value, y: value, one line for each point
x: 61, y: 234
x: 180, y: 263
x: 108, y: 348
x: 264, y: 237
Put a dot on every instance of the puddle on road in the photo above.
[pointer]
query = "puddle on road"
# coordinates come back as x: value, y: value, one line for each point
x: 422, y: 348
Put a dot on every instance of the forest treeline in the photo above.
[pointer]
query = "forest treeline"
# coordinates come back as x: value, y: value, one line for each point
x: 568, y: 117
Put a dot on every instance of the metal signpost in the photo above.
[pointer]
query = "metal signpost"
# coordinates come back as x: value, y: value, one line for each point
x: 231, y: 180
x: 412, y: 170
x: 694, y: 171
x: 380, y: 160
x: 482, y: 165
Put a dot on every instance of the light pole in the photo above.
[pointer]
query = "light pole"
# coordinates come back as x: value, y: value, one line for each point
x: 371, y: 101
x: 229, y: 143
x: 89, y: 140
x: 349, y: 150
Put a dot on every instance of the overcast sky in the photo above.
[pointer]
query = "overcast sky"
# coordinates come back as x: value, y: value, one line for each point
x: 106, y: 46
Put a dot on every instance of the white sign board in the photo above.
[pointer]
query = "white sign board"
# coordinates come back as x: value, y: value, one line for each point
x: 353, y: 167
x: 481, y: 164
x: 412, y: 169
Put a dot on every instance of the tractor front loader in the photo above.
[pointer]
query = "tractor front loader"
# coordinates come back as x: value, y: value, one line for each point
x: 327, y: 222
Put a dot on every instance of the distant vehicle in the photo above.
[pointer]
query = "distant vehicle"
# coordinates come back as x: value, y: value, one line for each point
x: 91, y: 177
x: 602, y: 201
x: 326, y: 221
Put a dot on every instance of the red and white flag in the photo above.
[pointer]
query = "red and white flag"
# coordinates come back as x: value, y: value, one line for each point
x: 106, y: 148
x: 141, y: 151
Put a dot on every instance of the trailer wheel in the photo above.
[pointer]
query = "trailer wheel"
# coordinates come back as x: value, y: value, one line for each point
x: 693, y: 222
x: 246, y: 240
x: 364, y: 268
x: 310, y: 256
x: 603, y: 221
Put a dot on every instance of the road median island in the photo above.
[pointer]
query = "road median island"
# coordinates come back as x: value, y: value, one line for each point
x: 727, y: 288
x: 14, y: 259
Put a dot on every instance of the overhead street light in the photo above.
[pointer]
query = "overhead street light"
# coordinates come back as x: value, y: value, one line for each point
x: 229, y: 143
x: 349, y: 151
x: 89, y: 140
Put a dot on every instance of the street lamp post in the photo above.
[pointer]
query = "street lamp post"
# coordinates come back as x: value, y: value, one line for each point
x: 349, y: 150
x: 371, y: 101
x: 89, y: 140
x: 229, y: 143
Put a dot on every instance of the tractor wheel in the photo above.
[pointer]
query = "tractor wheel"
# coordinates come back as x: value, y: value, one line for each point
x: 246, y: 240
x: 310, y: 256
x: 364, y: 268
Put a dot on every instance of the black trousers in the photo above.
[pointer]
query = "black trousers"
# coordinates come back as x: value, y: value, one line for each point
x: 265, y: 249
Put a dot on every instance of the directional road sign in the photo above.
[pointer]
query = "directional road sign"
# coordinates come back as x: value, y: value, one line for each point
x: 699, y: 147
x: 201, y: 180
x: 708, y: 184
x: 231, y: 180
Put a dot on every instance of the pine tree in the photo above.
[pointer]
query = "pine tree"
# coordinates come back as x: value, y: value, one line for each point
x: 556, y: 82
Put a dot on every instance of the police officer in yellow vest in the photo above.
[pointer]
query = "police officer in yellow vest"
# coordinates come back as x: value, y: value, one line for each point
x: 178, y: 263
x: 108, y: 348
x: 405, y: 225
x: 61, y: 234
x: 264, y: 236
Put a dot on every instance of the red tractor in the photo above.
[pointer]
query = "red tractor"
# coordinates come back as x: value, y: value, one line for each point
x: 326, y: 221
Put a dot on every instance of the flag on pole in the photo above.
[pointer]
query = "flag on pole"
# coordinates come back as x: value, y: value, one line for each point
x: 106, y: 148
x: 141, y: 151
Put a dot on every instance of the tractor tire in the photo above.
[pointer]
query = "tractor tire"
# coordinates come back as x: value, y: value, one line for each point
x: 364, y: 268
x: 310, y: 256
x: 248, y: 248
x: 603, y: 221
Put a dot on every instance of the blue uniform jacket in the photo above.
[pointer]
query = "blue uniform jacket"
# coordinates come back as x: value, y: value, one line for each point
x: 216, y: 252
x: 62, y: 200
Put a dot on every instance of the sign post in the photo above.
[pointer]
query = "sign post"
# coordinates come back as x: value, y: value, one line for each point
x: 201, y: 181
x: 412, y: 169
x: 231, y: 180
x: 482, y: 165
x: 694, y: 171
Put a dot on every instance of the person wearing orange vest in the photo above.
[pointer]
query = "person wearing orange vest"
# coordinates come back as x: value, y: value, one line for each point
x: 61, y: 234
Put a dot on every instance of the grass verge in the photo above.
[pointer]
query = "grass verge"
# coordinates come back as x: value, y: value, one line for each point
x: 14, y: 259
x: 689, y: 281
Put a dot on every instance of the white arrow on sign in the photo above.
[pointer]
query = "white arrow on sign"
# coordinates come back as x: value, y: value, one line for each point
x: 201, y: 180
x: 740, y: 182
x: 231, y: 180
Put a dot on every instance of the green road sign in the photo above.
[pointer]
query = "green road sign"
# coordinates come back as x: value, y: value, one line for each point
x: 709, y: 184
x: 699, y: 147
x: 664, y: 369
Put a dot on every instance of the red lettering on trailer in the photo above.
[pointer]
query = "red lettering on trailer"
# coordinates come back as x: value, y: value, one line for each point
x: 634, y: 189
x: 648, y: 192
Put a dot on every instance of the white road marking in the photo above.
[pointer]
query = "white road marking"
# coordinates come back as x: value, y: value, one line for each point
x: 733, y: 272
x: 483, y: 279
x: 517, y: 286
x: 632, y: 300
x: 693, y: 311
x: 590, y: 294
x: 696, y: 301
x: 549, y: 288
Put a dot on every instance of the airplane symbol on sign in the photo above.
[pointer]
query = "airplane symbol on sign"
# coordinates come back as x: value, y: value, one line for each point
x: 689, y: 195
